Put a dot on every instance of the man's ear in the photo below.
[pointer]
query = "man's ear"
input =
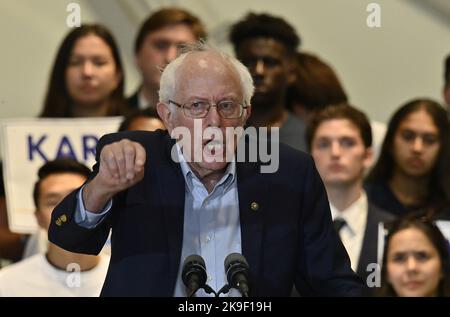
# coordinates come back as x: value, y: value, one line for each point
x: 446, y: 95
x: 368, y: 158
x: 292, y: 77
x: 247, y: 113
x: 165, y: 114
x: 40, y: 218
x: 292, y: 73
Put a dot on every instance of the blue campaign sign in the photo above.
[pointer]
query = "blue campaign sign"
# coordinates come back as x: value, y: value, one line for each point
x: 65, y: 147
x: 28, y: 143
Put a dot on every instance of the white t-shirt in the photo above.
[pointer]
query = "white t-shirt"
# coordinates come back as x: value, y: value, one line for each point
x: 36, y: 277
x: 37, y: 243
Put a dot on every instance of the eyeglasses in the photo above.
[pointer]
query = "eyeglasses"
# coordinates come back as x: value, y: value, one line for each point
x: 200, y: 109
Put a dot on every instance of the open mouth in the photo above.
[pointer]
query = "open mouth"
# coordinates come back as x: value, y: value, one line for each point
x: 213, y: 147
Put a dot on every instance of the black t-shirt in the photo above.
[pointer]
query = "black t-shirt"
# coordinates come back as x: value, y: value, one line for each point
x: 381, y: 195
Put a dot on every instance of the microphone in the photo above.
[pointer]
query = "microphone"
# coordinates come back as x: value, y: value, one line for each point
x: 194, y: 273
x: 236, y: 268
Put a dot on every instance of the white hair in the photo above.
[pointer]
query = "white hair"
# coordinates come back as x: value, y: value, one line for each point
x: 168, y: 77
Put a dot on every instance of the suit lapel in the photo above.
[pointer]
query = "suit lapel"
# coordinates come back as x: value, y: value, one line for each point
x: 369, y: 246
x: 172, y: 188
x: 252, y: 191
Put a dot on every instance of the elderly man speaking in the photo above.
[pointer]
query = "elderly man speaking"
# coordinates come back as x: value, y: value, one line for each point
x: 165, y: 203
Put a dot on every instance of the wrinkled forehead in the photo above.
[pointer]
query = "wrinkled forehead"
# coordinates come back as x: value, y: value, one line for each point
x: 207, y: 63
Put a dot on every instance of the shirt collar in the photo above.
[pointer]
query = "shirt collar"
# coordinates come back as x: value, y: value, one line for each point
x: 226, y: 181
x: 355, y: 215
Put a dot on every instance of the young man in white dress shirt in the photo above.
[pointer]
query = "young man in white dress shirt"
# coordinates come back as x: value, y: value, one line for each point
x: 340, y: 141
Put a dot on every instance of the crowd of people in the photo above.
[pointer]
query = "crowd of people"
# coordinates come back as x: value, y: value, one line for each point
x: 323, y: 211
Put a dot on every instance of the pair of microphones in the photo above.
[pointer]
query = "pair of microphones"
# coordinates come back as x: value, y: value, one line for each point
x: 236, y: 268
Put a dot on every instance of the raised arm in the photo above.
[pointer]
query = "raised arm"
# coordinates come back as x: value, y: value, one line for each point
x: 120, y: 165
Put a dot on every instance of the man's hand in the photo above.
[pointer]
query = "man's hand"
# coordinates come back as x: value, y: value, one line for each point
x: 121, y: 166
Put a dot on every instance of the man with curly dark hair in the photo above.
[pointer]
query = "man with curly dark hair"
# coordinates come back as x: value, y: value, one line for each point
x: 267, y: 45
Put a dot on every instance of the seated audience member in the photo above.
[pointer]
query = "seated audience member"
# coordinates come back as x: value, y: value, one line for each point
x: 145, y: 119
x: 416, y: 259
x: 446, y: 90
x: 413, y: 169
x: 11, y: 244
x: 54, y: 273
x: 87, y: 79
x: 158, y: 43
x: 267, y: 46
x: 340, y: 140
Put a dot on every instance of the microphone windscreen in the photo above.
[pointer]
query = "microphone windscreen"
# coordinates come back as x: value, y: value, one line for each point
x: 194, y: 258
x: 194, y: 267
x: 235, y: 258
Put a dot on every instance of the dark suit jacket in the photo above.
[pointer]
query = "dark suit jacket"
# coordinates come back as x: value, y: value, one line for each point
x: 369, y: 247
x: 288, y: 240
